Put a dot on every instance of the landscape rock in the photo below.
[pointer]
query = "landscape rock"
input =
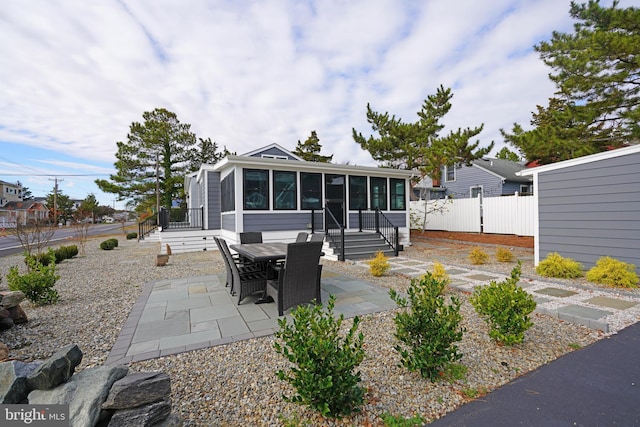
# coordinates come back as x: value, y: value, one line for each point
x: 4, y: 312
x: 10, y: 299
x: 57, y: 369
x: 84, y: 392
x: 4, y: 351
x: 138, y: 389
x: 14, y: 386
x: 18, y: 315
x: 173, y: 420
x: 147, y: 415
x: 6, y: 323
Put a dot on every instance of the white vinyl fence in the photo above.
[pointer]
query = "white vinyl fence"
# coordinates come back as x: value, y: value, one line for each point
x: 498, y: 215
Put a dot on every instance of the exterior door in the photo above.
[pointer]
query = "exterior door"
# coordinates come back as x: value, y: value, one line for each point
x: 334, y: 191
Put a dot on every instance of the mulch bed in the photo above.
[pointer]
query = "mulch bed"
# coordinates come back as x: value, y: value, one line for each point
x: 494, y: 239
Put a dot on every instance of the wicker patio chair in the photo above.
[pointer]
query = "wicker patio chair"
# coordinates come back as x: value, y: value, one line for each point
x: 302, y: 237
x: 251, y: 237
x: 298, y: 280
x: 226, y: 263
x: 234, y: 262
x: 317, y: 237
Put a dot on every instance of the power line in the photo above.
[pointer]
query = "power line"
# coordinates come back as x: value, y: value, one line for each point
x: 54, y: 174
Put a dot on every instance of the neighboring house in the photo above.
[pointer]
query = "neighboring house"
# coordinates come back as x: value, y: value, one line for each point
x: 487, y: 177
x: 10, y: 192
x: 13, y: 213
x: 273, y: 191
x: 589, y: 207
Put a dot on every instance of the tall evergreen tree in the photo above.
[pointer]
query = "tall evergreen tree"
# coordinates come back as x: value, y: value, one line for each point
x: 419, y: 145
x: 596, y: 70
x: 160, y: 149
x: 206, y: 153
x: 310, y: 150
x: 506, y: 154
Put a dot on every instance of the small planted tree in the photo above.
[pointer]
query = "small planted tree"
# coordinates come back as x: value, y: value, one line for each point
x: 37, y: 284
x: 323, y: 374
x: 429, y: 328
x: 506, y: 308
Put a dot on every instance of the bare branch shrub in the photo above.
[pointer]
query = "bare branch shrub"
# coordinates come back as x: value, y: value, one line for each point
x: 34, y: 236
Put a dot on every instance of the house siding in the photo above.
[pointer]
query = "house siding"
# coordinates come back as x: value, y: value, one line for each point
x: 280, y: 221
x: 591, y: 210
x: 228, y: 222
x: 467, y: 177
x: 273, y: 151
x: 213, y: 201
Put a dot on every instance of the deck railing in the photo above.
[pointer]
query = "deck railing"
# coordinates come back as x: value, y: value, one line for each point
x: 335, y: 232
x: 375, y: 220
x: 182, y: 218
x: 147, y: 226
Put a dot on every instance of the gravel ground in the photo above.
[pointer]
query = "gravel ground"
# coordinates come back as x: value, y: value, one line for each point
x: 235, y: 384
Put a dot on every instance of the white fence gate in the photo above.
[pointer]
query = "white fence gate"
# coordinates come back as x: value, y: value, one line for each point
x: 498, y: 215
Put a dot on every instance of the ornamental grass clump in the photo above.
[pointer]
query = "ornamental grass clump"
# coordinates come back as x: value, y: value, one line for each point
x: 37, y: 284
x: 379, y: 265
x: 477, y: 256
x: 440, y: 273
x: 429, y: 327
x: 324, y: 372
x: 554, y: 265
x: 506, y: 307
x: 504, y: 255
x: 612, y: 272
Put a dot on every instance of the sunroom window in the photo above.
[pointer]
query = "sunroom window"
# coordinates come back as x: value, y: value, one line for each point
x: 256, y: 189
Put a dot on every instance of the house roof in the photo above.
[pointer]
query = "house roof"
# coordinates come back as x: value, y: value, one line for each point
x: 270, y: 147
x: 582, y: 160
x: 506, y: 169
x: 26, y: 205
x: 318, y: 167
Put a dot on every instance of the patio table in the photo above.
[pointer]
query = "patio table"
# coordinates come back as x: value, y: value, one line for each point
x: 262, y: 252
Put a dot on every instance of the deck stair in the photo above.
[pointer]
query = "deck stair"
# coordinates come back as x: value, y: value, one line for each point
x: 361, y: 245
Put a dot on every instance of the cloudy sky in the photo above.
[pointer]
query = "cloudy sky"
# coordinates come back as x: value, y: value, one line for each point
x: 75, y: 74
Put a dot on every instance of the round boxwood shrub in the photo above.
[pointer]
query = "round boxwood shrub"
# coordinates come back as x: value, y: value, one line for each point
x: 132, y: 235
x: 108, y: 245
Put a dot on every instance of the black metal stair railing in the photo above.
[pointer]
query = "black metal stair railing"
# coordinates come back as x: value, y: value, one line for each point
x: 376, y: 221
x: 335, y: 233
x: 147, y: 226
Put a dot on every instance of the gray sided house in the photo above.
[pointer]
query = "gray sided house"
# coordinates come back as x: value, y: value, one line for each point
x: 589, y: 207
x: 487, y: 177
x: 275, y: 192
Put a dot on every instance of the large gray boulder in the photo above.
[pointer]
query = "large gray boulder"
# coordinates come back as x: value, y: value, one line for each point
x: 10, y: 299
x: 138, y: 389
x: 141, y: 416
x: 57, y: 369
x: 14, y: 386
x: 91, y: 388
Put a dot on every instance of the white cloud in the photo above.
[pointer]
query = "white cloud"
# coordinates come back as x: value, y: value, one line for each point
x: 75, y: 74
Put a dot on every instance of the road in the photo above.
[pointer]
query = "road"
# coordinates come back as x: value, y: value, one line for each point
x: 9, y: 245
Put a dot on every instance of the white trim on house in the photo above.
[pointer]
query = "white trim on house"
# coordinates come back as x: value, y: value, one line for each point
x: 581, y: 160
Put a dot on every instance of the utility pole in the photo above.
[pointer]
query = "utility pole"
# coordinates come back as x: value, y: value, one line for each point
x: 55, y: 200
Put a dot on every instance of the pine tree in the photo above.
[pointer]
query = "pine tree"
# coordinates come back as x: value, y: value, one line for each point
x: 310, y: 150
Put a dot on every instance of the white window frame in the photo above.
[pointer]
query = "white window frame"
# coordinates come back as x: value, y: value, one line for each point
x: 473, y: 187
x: 446, y: 173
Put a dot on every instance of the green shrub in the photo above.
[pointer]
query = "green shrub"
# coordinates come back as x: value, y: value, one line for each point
x: 391, y: 420
x: 379, y: 265
x: 323, y: 375
x: 440, y: 273
x: 43, y: 258
x: 611, y: 272
x: 505, y: 306
x: 115, y: 242
x: 132, y: 235
x: 477, y: 256
x: 504, y: 255
x: 107, y: 245
x: 554, y: 265
x: 38, y: 283
x: 428, y: 328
